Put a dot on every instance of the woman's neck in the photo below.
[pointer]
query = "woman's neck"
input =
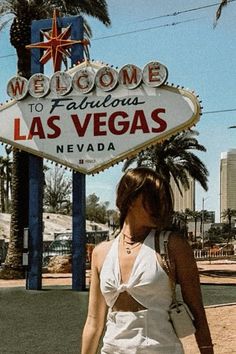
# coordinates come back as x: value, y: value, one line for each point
x: 134, y: 233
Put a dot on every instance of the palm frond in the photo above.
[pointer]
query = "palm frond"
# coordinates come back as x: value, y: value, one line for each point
x: 174, y: 157
x: 38, y: 9
x: 219, y: 10
x: 95, y: 8
x: 5, y: 8
x: 87, y: 29
x: 4, y: 23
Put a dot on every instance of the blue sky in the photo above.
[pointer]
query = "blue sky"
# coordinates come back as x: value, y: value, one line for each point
x: 197, y: 56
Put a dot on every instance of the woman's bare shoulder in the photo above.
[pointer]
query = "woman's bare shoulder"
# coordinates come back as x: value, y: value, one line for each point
x: 103, y: 247
x: 180, y: 248
x: 100, y: 252
x: 177, y: 240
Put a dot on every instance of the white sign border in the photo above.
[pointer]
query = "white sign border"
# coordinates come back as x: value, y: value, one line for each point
x: 130, y: 153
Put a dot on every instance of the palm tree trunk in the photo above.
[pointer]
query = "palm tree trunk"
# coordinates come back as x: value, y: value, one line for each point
x: 20, y: 192
x: 7, y: 188
x: 2, y: 194
x: 195, y: 230
x: 229, y: 237
x: 8, y: 176
x: 24, y: 61
x: 19, y: 217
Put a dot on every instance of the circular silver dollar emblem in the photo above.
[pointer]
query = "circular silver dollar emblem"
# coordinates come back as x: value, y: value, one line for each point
x: 61, y: 83
x: 17, y: 87
x: 83, y: 80
x: 154, y: 74
x: 106, y: 78
x: 130, y: 76
x: 38, y: 85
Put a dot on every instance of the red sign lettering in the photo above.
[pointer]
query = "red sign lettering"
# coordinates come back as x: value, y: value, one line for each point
x: 98, y: 123
x: 81, y: 128
x: 17, y: 135
x: 55, y: 128
x: 112, y: 124
x: 153, y: 73
x: 37, y: 129
x: 139, y: 122
x: 162, y: 123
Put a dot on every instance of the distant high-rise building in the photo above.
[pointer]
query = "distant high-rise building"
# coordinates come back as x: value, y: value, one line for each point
x: 187, y: 200
x: 228, y: 180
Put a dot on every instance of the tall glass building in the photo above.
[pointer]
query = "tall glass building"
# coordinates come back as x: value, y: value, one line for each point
x: 185, y: 201
x: 228, y: 180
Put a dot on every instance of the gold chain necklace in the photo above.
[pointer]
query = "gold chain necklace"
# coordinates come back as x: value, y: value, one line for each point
x: 129, y: 246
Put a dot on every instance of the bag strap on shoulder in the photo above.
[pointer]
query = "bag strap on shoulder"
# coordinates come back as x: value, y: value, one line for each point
x: 170, y: 268
x: 164, y: 253
x: 163, y: 243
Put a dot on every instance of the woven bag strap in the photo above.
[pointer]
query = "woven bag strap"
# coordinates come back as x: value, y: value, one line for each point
x: 164, y: 253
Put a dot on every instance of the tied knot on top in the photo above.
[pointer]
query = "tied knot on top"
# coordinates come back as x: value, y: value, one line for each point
x: 113, y: 286
x: 122, y: 288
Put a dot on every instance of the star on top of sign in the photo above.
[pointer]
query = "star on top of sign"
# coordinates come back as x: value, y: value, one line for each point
x: 57, y: 44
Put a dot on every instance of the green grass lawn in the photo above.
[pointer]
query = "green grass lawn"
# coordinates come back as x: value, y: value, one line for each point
x: 50, y: 321
x: 47, y: 321
x: 215, y: 294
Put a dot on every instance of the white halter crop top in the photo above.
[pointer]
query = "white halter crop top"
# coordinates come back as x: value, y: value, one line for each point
x: 148, y: 283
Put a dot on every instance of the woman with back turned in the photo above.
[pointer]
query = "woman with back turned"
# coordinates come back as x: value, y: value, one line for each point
x: 130, y: 291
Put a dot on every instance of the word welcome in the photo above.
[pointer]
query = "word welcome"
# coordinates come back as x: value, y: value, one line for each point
x: 83, y: 80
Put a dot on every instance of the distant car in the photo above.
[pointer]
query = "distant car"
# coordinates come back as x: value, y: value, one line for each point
x: 57, y: 248
x: 63, y: 243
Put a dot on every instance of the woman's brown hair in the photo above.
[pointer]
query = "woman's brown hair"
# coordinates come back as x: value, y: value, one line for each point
x: 156, y: 193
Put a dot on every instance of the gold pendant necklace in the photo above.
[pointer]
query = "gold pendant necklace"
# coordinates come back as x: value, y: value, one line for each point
x: 129, y: 249
x: 129, y: 246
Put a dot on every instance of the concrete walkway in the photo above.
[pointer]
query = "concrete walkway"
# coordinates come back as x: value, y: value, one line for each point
x: 217, y: 272
x: 48, y: 279
x: 214, y: 272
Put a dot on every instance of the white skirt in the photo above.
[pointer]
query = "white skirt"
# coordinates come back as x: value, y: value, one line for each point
x: 142, y: 332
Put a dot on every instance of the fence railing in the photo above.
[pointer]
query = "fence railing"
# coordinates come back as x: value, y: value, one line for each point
x: 91, y: 236
x: 61, y: 245
x: 212, y: 254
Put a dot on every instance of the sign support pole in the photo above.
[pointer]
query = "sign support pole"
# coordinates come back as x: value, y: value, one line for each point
x: 78, y: 193
x: 79, y: 234
x: 34, y: 273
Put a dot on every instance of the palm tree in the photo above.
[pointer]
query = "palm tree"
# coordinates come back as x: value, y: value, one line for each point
x: 219, y: 10
x: 180, y: 221
x: 5, y: 174
x: 195, y: 215
x: 205, y: 216
x: 22, y: 13
x: 172, y: 157
x: 8, y: 164
x: 2, y: 184
x: 228, y: 214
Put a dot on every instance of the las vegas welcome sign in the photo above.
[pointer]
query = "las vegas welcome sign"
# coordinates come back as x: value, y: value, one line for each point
x: 93, y: 115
